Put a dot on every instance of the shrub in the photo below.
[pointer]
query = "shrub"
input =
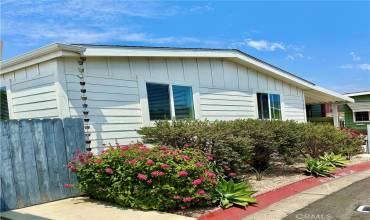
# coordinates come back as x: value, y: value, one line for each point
x: 318, y: 139
x: 334, y: 160
x: 231, y: 151
x: 158, y: 178
x: 316, y: 167
x: 231, y: 193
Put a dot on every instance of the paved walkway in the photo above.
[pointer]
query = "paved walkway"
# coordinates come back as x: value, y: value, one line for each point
x: 82, y: 208
x: 300, y: 200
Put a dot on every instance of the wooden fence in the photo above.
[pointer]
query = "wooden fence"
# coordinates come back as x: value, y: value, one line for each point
x: 34, y: 155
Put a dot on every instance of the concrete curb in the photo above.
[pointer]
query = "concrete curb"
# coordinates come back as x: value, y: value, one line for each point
x: 271, y: 197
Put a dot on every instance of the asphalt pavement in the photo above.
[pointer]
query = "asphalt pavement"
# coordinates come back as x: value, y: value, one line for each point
x: 338, y: 205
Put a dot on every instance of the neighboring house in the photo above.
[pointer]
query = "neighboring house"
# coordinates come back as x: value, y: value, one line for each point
x: 322, y: 113
x: 357, y: 114
x: 130, y: 87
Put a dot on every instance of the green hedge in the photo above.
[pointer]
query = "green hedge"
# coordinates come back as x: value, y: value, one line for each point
x: 241, y: 144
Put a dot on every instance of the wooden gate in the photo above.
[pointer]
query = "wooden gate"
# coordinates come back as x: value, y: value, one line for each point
x: 34, y: 155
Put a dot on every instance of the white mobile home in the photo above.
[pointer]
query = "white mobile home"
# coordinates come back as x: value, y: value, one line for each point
x: 129, y: 87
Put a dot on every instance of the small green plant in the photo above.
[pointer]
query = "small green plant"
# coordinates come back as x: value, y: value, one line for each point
x: 334, y: 160
x: 231, y: 193
x: 259, y: 173
x: 316, y: 167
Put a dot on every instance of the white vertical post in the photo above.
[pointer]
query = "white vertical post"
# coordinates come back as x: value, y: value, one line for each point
x: 335, y: 115
x: 368, y: 139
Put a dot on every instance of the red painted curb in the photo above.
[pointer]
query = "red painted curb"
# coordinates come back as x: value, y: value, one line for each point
x: 270, y: 197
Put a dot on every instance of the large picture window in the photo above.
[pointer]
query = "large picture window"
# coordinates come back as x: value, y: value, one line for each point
x: 159, y: 100
x: 269, y: 106
x: 361, y: 116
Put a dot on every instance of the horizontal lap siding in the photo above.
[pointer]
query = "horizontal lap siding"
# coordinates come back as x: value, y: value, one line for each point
x: 33, y: 93
x: 113, y: 100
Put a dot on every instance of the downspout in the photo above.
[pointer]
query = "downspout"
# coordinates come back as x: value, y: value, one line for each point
x: 85, y: 112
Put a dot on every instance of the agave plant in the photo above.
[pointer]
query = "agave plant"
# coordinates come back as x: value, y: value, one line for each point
x: 231, y: 193
x: 334, y: 160
x: 316, y: 167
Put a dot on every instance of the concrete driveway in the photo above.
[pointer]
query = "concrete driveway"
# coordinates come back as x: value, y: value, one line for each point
x: 82, y: 208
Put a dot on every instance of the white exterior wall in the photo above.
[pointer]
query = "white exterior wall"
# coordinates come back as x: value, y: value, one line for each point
x: 31, y: 91
x: 222, y: 90
x: 117, y: 98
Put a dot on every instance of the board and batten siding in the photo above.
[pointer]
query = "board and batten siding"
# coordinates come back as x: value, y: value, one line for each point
x: 117, y: 99
x: 31, y: 91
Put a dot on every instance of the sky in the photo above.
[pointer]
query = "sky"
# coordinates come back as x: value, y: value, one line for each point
x: 326, y: 42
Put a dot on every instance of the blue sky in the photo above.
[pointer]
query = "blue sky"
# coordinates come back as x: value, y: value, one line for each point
x: 324, y: 42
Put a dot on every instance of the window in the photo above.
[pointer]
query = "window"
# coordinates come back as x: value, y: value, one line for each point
x: 268, y: 106
x: 361, y: 116
x: 4, y: 114
x: 159, y: 100
x: 183, y: 101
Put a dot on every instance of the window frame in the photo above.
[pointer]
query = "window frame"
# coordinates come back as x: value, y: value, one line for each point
x: 354, y: 117
x: 269, y: 104
x: 171, y: 99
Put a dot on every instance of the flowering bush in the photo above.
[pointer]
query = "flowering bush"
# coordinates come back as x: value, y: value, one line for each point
x: 136, y: 176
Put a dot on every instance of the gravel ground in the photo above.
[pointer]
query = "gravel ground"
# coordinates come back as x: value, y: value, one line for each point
x: 277, y: 176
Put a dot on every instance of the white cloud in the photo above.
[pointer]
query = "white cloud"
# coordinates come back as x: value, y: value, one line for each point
x: 363, y: 66
x: 354, y: 56
x: 263, y: 45
x: 295, y: 56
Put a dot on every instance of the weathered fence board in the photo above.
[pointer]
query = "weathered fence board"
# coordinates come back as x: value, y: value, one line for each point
x: 34, y: 157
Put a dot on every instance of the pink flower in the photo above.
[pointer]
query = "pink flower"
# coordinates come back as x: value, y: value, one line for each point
x: 165, y: 166
x: 232, y: 174
x: 149, y: 182
x: 108, y: 171
x: 187, y: 145
x: 183, y: 207
x: 164, y: 148
x: 149, y: 162
x: 198, y: 164
x: 132, y: 162
x: 210, y: 174
x: 157, y: 173
x: 185, y: 157
x: 68, y: 185
x: 177, y: 197
x: 197, y: 182
x: 141, y: 176
x: 201, y: 192
x: 187, y: 199
x: 124, y: 148
x: 183, y: 173
x: 98, y: 161
x: 209, y: 157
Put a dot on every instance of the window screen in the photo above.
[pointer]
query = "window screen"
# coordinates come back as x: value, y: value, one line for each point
x: 159, y: 101
x: 183, y: 101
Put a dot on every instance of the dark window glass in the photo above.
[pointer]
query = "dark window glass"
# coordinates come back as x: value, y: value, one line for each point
x: 275, y: 106
x: 159, y: 101
x: 263, y: 106
x: 183, y: 101
x: 362, y: 116
x: 4, y: 114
